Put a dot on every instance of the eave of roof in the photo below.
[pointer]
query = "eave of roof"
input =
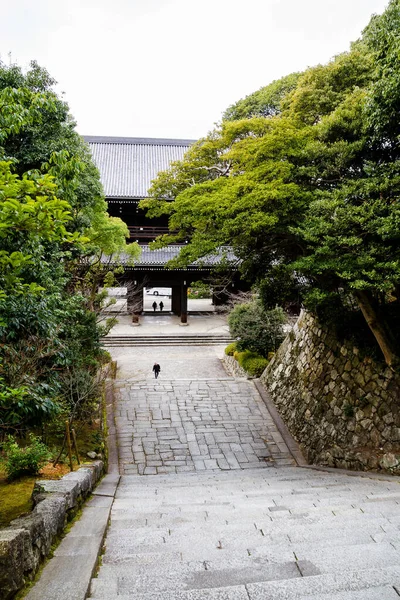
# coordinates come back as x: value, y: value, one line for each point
x: 106, y: 139
x: 160, y: 257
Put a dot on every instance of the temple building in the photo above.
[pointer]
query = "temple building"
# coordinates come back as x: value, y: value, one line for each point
x: 127, y: 167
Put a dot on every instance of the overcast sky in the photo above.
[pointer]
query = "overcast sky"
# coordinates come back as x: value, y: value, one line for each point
x: 169, y: 68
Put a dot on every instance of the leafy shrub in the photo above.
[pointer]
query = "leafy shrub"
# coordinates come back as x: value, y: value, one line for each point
x: 199, y: 289
x: 255, y: 365
x: 243, y: 356
x: 230, y: 349
x: 24, y: 461
x: 255, y: 328
x: 251, y: 362
x: 24, y: 405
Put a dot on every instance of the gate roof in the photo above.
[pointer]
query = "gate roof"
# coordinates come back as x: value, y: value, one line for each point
x: 128, y: 165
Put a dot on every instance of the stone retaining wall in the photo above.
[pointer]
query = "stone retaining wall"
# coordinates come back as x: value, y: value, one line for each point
x: 343, y: 409
x: 28, y: 540
x: 233, y: 368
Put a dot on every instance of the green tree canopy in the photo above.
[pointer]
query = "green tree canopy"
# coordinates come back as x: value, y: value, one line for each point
x: 308, y: 187
x: 54, y: 227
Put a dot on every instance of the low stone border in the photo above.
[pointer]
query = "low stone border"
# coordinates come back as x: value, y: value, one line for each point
x: 233, y: 368
x: 28, y: 540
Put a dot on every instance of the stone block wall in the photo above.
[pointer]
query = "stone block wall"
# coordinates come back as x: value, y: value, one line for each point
x: 28, y: 540
x: 343, y: 408
x: 233, y: 368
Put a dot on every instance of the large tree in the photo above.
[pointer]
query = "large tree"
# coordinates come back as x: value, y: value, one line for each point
x: 308, y: 190
x: 53, y: 229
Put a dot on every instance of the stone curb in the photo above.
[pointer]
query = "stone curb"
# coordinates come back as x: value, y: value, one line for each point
x: 112, y: 444
x: 290, y: 442
x: 68, y: 574
x: 28, y: 540
x: 366, y: 474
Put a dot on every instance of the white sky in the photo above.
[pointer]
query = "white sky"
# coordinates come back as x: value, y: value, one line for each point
x: 169, y: 68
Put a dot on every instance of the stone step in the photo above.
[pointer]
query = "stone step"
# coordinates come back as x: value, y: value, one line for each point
x: 166, y: 342
x: 251, y: 548
x: 161, y: 337
x: 372, y: 584
x: 292, y: 537
x: 149, y: 340
x: 194, y: 577
x: 107, y: 590
x: 241, y: 593
x: 292, y: 477
x: 272, y: 549
x: 259, y: 534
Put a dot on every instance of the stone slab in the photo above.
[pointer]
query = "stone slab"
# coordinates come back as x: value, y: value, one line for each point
x: 107, y: 486
x: 79, y: 546
x: 100, y: 502
x: 64, y: 578
x: 228, y: 593
x: 386, y: 592
x: 317, y: 586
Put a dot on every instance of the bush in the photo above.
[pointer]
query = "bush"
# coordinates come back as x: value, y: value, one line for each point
x: 255, y: 365
x: 230, y: 349
x: 198, y: 289
x: 24, y: 461
x: 256, y: 329
x: 251, y: 362
x: 242, y: 356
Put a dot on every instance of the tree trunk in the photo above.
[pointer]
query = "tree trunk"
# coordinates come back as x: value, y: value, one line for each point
x: 365, y: 302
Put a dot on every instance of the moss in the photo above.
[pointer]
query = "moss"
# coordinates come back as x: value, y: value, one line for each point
x: 15, y: 498
x: 348, y: 410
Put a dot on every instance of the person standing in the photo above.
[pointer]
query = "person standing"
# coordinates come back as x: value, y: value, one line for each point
x: 154, y: 305
x: 156, y: 369
x: 161, y: 306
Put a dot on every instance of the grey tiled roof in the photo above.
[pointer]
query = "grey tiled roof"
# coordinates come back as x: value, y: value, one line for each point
x: 128, y: 165
x: 158, y: 258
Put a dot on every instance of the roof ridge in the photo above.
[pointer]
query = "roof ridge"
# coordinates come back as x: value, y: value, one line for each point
x: 100, y: 139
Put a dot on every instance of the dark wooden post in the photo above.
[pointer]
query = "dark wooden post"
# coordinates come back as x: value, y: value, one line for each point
x: 176, y: 300
x: 134, y: 299
x: 184, y: 303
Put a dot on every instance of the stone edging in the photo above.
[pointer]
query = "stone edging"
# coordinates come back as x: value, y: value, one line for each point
x: 233, y: 368
x: 28, y: 540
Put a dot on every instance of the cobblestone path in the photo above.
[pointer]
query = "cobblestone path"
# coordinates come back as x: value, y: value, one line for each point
x: 193, y: 425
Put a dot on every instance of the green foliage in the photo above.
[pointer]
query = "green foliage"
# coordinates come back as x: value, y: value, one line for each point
x: 266, y: 102
x: 54, y: 232
x: 256, y: 329
x: 252, y: 363
x: 199, y: 289
x: 24, y: 461
x: 348, y: 410
x: 240, y: 356
x: 20, y: 406
x: 282, y: 288
x: 302, y: 180
x: 230, y: 349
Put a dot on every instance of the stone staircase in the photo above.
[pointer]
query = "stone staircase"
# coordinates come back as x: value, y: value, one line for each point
x: 263, y: 534
x: 167, y: 340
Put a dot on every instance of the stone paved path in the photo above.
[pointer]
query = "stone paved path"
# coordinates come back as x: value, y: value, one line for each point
x: 192, y: 425
x: 221, y: 513
x: 257, y: 534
